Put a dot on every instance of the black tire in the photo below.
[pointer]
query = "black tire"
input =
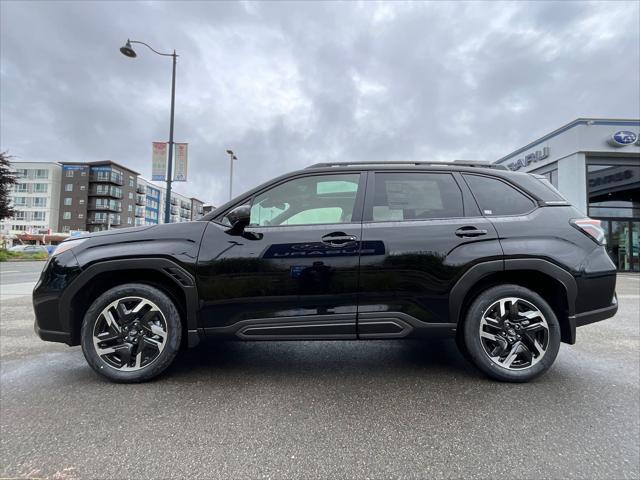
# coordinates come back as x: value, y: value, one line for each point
x: 161, y: 310
x: 529, y: 366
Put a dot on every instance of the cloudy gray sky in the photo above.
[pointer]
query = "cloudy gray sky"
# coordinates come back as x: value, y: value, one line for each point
x: 288, y: 84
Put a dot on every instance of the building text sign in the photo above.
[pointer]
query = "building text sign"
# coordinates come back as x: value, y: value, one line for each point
x: 529, y: 159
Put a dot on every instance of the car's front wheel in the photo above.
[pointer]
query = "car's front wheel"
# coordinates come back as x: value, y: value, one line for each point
x: 131, y: 333
x: 511, y: 333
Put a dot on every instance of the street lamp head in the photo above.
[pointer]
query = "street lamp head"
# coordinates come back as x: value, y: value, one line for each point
x: 128, y: 50
x: 230, y: 152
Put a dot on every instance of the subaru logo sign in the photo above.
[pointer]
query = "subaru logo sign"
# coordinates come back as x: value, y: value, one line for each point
x: 623, y: 138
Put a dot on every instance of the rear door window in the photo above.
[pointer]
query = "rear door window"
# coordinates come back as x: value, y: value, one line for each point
x: 415, y: 196
x: 496, y: 197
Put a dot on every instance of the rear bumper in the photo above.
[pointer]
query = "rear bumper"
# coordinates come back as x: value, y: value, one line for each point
x: 592, y: 316
x: 52, y: 335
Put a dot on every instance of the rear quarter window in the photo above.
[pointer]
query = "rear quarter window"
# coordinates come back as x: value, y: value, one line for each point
x: 496, y: 197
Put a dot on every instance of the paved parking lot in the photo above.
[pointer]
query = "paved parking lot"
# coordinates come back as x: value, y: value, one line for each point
x: 319, y: 409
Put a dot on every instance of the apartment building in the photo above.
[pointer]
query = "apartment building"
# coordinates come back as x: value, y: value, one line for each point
x: 35, y: 198
x: 89, y: 196
x: 99, y: 196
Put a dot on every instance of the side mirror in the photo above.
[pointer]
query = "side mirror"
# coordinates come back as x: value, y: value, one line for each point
x: 239, y: 218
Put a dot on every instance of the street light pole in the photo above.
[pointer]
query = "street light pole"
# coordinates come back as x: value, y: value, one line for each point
x: 128, y: 51
x: 167, y: 213
x: 232, y: 157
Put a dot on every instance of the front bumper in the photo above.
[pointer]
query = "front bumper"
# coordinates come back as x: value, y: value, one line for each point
x: 52, y: 322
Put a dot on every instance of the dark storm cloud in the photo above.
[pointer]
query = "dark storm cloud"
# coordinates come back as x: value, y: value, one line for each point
x: 288, y: 84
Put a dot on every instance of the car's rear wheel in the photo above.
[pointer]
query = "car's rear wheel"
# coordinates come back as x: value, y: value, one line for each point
x: 511, y: 333
x: 131, y: 333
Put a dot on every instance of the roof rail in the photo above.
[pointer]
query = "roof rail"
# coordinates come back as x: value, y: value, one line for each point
x: 456, y: 163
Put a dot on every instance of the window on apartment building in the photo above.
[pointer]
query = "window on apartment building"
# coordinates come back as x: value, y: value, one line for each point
x: 68, y: 201
x: 66, y: 229
x: 69, y: 173
x: 66, y: 215
x: 40, y: 201
x: 21, y: 172
x: 83, y: 173
x: 81, y: 215
x: 21, y: 187
x: 83, y: 187
x: 20, y: 201
x: 19, y: 227
x: 39, y: 216
x: 81, y: 202
x: 129, y: 220
x: 68, y: 187
x: 130, y: 195
x: 132, y: 182
x: 18, y: 216
x: 42, y: 173
x: 130, y: 208
x: 40, y: 187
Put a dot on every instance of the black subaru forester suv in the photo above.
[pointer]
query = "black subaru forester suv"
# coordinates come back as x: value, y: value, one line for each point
x: 498, y: 260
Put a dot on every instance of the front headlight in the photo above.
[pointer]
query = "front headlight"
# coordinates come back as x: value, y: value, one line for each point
x: 66, y: 245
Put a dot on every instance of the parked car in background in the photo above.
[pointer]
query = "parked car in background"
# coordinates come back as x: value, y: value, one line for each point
x: 498, y: 260
x: 29, y: 249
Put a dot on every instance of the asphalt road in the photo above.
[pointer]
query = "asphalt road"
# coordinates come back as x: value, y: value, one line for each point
x: 320, y: 409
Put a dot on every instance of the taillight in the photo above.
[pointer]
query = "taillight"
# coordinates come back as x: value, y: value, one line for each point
x: 592, y: 228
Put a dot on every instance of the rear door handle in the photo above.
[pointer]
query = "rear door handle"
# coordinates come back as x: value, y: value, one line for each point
x: 469, y: 231
x: 338, y: 239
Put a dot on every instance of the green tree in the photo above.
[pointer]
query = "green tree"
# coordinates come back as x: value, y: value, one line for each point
x: 7, y: 179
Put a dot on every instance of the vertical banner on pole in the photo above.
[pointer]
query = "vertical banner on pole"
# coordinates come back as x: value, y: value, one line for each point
x: 159, y: 161
x: 181, y: 163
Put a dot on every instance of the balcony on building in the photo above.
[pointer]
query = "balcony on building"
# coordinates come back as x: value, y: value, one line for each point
x: 141, y: 189
x: 141, y: 200
x: 107, y: 207
x: 139, y: 212
x: 174, y: 210
x: 106, y: 177
x: 96, y: 221
x: 102, y: 190
x: 185, y: 205
x: 174, y: 201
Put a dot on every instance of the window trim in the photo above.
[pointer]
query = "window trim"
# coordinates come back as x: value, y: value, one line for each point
x: 358, y: 206
x: 535, y: 202
x: 368, y: 207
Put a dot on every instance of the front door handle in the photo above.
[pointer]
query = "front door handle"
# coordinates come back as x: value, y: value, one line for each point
x: 469, y: 231
x: 338, y: 239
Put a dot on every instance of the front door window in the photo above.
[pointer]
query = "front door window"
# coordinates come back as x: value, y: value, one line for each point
x: 312, y: 200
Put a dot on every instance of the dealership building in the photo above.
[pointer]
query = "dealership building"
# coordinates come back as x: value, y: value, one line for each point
x: 595, y: 163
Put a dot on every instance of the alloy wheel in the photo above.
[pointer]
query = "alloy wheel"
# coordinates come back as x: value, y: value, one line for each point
x: 130, y: 333
x: 514, y: 333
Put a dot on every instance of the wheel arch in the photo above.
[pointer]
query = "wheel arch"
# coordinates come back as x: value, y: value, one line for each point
x: 161, y: 273
x: 551, y: 282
